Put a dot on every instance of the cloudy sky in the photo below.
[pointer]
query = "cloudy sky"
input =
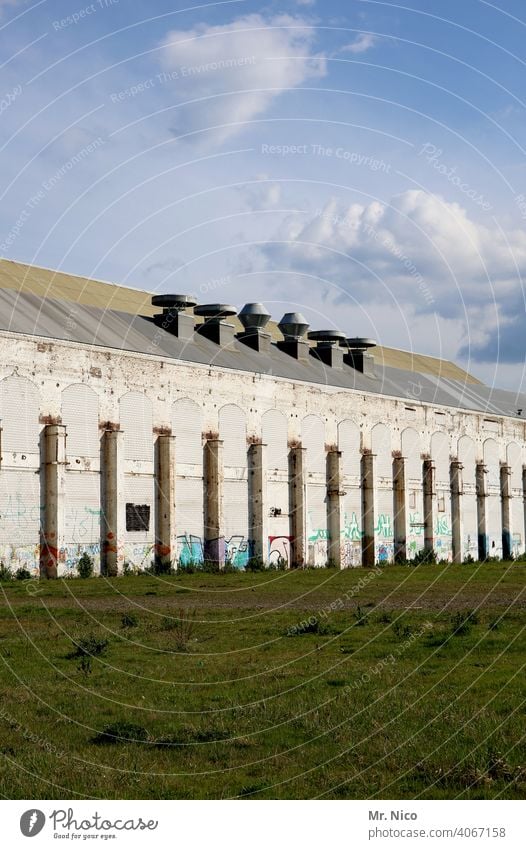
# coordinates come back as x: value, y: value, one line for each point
x: 361, y: 160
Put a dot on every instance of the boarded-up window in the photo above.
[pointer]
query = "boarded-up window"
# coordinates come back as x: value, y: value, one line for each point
x: 137, y: 517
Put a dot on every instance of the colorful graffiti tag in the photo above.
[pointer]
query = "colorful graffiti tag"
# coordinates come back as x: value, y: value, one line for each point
x: 236, y: 550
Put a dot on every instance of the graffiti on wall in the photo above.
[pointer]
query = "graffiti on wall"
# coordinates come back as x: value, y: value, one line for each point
x: 235, y: 550
x: 279, y: 550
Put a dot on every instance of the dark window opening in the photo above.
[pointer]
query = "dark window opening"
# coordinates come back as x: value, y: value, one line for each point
x: 137, y: 517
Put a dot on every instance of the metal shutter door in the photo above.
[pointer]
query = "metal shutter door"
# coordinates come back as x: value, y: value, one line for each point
x: 275, y: 437
x: 313, y: 440
x: 493, y: 501
x: 236, y: 522
x: 316, y: 525
x: 232, y: 430
x: 189, y: 519
x: 19, y: 507
x: 412, y: 451
x: 349, y: 445
x: 468, y: 506
x: 517, y: 503
x: 383, y: 465
x: 138, y: 548
x: 82, y: 518
x: 442, y: 531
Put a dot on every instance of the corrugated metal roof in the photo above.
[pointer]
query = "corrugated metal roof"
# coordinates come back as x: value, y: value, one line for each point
x: 46, y: 283
x: 34, y: 315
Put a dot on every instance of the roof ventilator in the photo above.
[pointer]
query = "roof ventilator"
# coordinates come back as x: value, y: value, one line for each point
x: 327, y: 349
x: 357, y: 355
x: 294, y: 326
x: 173, y: 318
x: 214, y: 327
x: 254, y: 318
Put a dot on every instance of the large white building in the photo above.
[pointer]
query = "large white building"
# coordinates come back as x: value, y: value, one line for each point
x: 134, y: 433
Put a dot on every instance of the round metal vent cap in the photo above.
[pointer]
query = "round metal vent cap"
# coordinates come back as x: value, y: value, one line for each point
x: 293, y: 325
x: 215, y: 310
x: 358, y: 343
x: 254, y: 316
x: 174, y: 302
x: 327, y: 336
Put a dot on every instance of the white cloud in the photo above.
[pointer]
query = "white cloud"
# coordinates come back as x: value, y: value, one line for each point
x: 265, y: 194
x: 234, y: 72
x: 361, y: 43
x: 419, y: 252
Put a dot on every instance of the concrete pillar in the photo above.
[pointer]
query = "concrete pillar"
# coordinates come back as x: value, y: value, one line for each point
x: 298, y: 542
x: 368, y: 511
x: 429, y: 504
x: 480, y: 479
x: 457, y: 491
x: 257, y: 501
x: 165, y: 533
x: 400, y: 514
x: 334, y: 508
x: 53, y: 489
x: 113, y: 518
x: 505, y: 504
x: 214, y: 541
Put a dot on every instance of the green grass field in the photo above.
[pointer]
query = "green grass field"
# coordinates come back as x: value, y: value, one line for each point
x: 396, y: 683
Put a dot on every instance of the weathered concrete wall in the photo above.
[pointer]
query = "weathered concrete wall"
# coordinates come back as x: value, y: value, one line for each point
x: 98, y: 391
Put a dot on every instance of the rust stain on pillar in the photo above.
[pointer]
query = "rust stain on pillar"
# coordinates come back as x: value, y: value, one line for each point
x: 334, y: 507
x: 400, y: 514
x: 53, y: 469
x: 214, y: 537
x: 297, y: 506
x: 457, y: 491
x: 429, y: 504
x: 165, y: 534
x: 368, y: 511
x: 480, y: 480
x: 112, y: 491
x: 257, y: 480
x: 505, y: 502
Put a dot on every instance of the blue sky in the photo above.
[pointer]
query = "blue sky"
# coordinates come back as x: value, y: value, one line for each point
x: 363, y: 161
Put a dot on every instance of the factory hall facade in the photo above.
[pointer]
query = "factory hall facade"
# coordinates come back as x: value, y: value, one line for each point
x: 144, y: 430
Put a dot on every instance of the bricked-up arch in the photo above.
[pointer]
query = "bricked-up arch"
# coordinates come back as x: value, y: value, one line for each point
x: 466, y: 452
x: 313, y: 441
x: 19, y: 480
x: 135, y: 414
x: 442, y: 520
x: 19, y: 410
x: 383, y: 474
x: 187, y: 427
x: 349, y: 445
x: 233, y: 432
x: 274, y: 435
x: 493, y: 501
x: 412, y: 452
x: 137, y: 423
x: 80, y: 414
x: 514, y: 461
